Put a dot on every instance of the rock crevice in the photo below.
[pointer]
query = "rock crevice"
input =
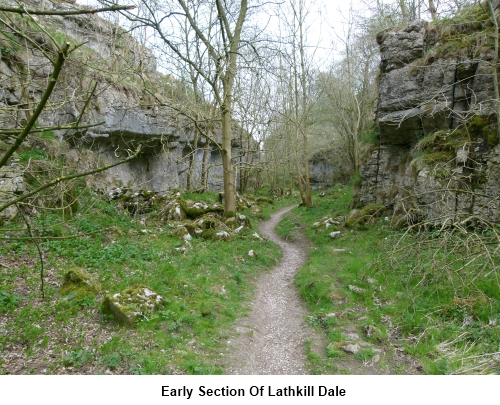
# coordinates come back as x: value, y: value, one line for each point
x: 438, y: 149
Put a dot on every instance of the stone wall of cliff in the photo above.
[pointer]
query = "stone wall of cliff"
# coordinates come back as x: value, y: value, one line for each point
x: 438, y: 155
x: 111, y: 81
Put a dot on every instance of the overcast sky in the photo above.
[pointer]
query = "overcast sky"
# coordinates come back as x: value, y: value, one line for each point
x: 326, y: 21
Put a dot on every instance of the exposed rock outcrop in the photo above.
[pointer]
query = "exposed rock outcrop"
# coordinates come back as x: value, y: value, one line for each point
x: 438, y: 155
x: 326, y: 168
x: 11, y: 186
x: 111, y: 87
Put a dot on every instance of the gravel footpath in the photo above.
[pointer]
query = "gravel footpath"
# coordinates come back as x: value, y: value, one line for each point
x: 271, y: 339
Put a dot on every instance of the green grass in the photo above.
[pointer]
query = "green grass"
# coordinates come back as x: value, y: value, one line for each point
x: 446, y: 316
x: 33, y: 154
x: 204, y: 291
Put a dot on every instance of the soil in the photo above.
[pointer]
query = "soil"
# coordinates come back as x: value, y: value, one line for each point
x: 271, y: 339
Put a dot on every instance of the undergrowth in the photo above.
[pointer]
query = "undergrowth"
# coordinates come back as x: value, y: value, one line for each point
x: 413, y: 288
x: 204, y: 291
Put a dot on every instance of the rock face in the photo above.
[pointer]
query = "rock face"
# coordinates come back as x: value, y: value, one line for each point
x: 438, y: 155
x: 326, y: 169
x: 11, y: 186
x: 124, y: 109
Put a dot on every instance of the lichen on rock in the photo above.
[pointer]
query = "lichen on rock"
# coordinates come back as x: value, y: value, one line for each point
x: 131, y: 304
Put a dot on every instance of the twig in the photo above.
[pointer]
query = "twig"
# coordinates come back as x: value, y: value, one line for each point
x: 40, y: 254
x: 481, y: 355
x: 73, y: 176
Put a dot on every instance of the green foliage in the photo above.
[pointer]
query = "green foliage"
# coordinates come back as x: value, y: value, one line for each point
x: 78, y: 358
x: 9, y: 44
x: 355, y: 180
x: 420, y: 283
x: 468, y: 31
x: 208, y: 197
x: 8, y: 301
x: 365, y: 215
x: 33, y: 154
x: 288, y: 227
x: 365, y: 354
x: 204, y: 291
x: 370, y: 136
x: 48, y: 135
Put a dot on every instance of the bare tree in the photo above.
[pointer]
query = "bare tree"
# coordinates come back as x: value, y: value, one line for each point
x: 296, y: 73
x: 55, y: 54
x: 217, y: 27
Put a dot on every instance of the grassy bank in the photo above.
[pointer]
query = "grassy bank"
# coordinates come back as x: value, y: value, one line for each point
x: 204, y: 289
x: 413, y: 291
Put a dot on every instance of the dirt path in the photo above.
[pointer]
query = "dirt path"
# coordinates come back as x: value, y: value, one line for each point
x: 271, y: 339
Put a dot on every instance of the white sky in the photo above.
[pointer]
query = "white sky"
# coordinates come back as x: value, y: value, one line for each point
x: 326, y: 20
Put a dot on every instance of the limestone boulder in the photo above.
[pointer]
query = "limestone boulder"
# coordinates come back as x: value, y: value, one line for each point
x: 131, y: 304
x: 79, y: 282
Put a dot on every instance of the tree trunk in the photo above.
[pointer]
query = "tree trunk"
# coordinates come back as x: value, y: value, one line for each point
x: 204, y: 164
x: 192, y: 161
x: 227, y: 163
x: 432, y: 10
x: 226, y: 110
x: 303, y: 83
x: 404, y: 11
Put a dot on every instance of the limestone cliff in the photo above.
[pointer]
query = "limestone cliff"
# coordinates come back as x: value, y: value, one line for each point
x: 438, y: 155
x: 110, y: 86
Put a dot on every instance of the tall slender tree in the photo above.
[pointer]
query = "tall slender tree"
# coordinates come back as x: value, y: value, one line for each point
x: 217, y: 26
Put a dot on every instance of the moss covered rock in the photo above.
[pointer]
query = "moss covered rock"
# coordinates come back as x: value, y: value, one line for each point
x: 209, y: 221
x: 181, y: 231
x: 208, y: 234
x: 364, y: 215
x: 231, y: 222
x: 338, y: 297
x: 169, y: 208
x: 198, y: 209
x: 131, y: 304
x: 264, y: 200
x: 79, y: 282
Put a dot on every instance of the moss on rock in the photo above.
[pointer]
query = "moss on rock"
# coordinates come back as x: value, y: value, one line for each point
x: 181, y: 231
x: 364, y: 215
x: 208, y: 233
x: 198, y: 209
x: 338, y: 297
x: 264, y: 200
x: 131, y: 304
x: 231, y: 222
x: 79, y: 282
